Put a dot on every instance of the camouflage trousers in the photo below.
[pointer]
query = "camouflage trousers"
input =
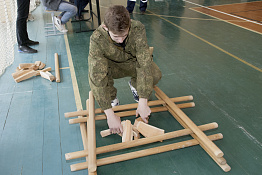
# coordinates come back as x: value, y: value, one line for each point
x: 121, y: 70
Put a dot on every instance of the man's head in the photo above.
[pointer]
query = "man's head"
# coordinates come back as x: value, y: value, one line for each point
x: 117, y: 22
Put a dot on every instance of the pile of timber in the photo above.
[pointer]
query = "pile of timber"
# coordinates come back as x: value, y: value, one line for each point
x: 28, y: 70
x: 86, y: 119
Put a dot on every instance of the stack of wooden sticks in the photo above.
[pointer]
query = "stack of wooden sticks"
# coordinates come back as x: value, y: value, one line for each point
x: 87, y: 128
x: 28, y: 70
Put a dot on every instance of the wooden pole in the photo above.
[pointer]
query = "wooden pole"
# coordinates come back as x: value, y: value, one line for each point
x: 129, y: 106
x: 139, y: 142
x: 130, y: 113
x: 83, y: 131
x: 57, y: 72
x: 219, y: 160
x: 91, y: 135
x: 143, y: 153
x: 212, y: 147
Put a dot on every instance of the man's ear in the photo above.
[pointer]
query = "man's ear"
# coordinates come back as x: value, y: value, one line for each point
x: 104, y: 26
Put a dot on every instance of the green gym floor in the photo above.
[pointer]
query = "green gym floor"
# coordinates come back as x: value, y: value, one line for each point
x: 218, y: 62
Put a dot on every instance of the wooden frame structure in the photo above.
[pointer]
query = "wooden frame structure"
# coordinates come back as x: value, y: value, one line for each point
x: 89, y: 139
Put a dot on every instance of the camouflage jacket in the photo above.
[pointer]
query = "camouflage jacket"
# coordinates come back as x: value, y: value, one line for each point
x: 102, y: 50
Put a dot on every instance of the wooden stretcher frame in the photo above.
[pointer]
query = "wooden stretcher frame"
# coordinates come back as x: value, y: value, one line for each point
x: 89, y: 139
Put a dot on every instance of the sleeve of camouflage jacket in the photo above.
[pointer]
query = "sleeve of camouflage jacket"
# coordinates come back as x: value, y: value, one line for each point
x: 98, y: 69
x: 144, y: 59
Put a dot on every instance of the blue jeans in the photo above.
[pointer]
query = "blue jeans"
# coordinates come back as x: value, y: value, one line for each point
x: 68, y: 11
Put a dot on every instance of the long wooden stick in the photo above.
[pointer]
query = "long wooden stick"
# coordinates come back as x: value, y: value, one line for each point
x: 219, y: 160
x: 143, y: 141
x: 212, y: 147
x: 57, y: 71
x: 143, y: 153
x: 130, y: 113
x: 91, y: 135
x: 83, y: 131
x: 129, y: 106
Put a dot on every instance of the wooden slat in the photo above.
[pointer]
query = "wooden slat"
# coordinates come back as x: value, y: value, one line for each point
x: 143, y: 141
x: 128, y: 106
x: 143, y: 153
x: 210, y: 145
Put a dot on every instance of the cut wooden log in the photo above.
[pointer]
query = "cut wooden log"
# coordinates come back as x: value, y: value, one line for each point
x: 25, y: 76
x: 139, y: 119
x: 57, y: 71
x: 44, y: 70
x: 136, y: 134
x: 28, y: 66
x: 127, y: 131
x: 148, y: 130
x: 151, y: 49
x: 40, y: 64
x: 47, y: 75
x: 19, y: 73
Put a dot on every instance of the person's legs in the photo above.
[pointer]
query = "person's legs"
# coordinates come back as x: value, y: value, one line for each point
x: 21, y: 22
x: 143, y: 5
x: 77, y: 4
x: 130, y: 6
x: 83, y: 4
x: 68, y: 9
x: 117, y: 71
x: 157, y: 75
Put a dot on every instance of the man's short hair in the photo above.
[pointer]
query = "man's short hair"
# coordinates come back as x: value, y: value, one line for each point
x: 117, y: 19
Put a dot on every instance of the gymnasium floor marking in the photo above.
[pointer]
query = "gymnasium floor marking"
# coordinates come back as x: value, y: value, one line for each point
x: 225, y: 13
x: 64, y: 68
x: 213, y: 45
x: 73, y: 75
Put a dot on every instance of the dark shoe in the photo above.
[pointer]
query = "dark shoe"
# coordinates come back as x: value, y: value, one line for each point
x: 31, y: 43
x: 134, y: 92
x: 142, y: 12
x: 79, y: 18
x: 26, y: 49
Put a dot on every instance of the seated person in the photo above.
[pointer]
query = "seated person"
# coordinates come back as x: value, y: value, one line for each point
x: 68, y: 11
x: 118, y: 48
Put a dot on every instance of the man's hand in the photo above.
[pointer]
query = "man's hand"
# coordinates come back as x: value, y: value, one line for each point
x: 113, y: 121
x: 143, y: 110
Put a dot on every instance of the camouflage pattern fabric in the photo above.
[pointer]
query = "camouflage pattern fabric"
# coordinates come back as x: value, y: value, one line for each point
x: 107, y: 61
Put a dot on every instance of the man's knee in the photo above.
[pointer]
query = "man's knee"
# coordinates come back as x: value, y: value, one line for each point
x: 157, y: 75
x: 74, y: 10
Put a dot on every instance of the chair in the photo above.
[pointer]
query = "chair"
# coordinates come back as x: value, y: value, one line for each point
x: 50, y: 28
